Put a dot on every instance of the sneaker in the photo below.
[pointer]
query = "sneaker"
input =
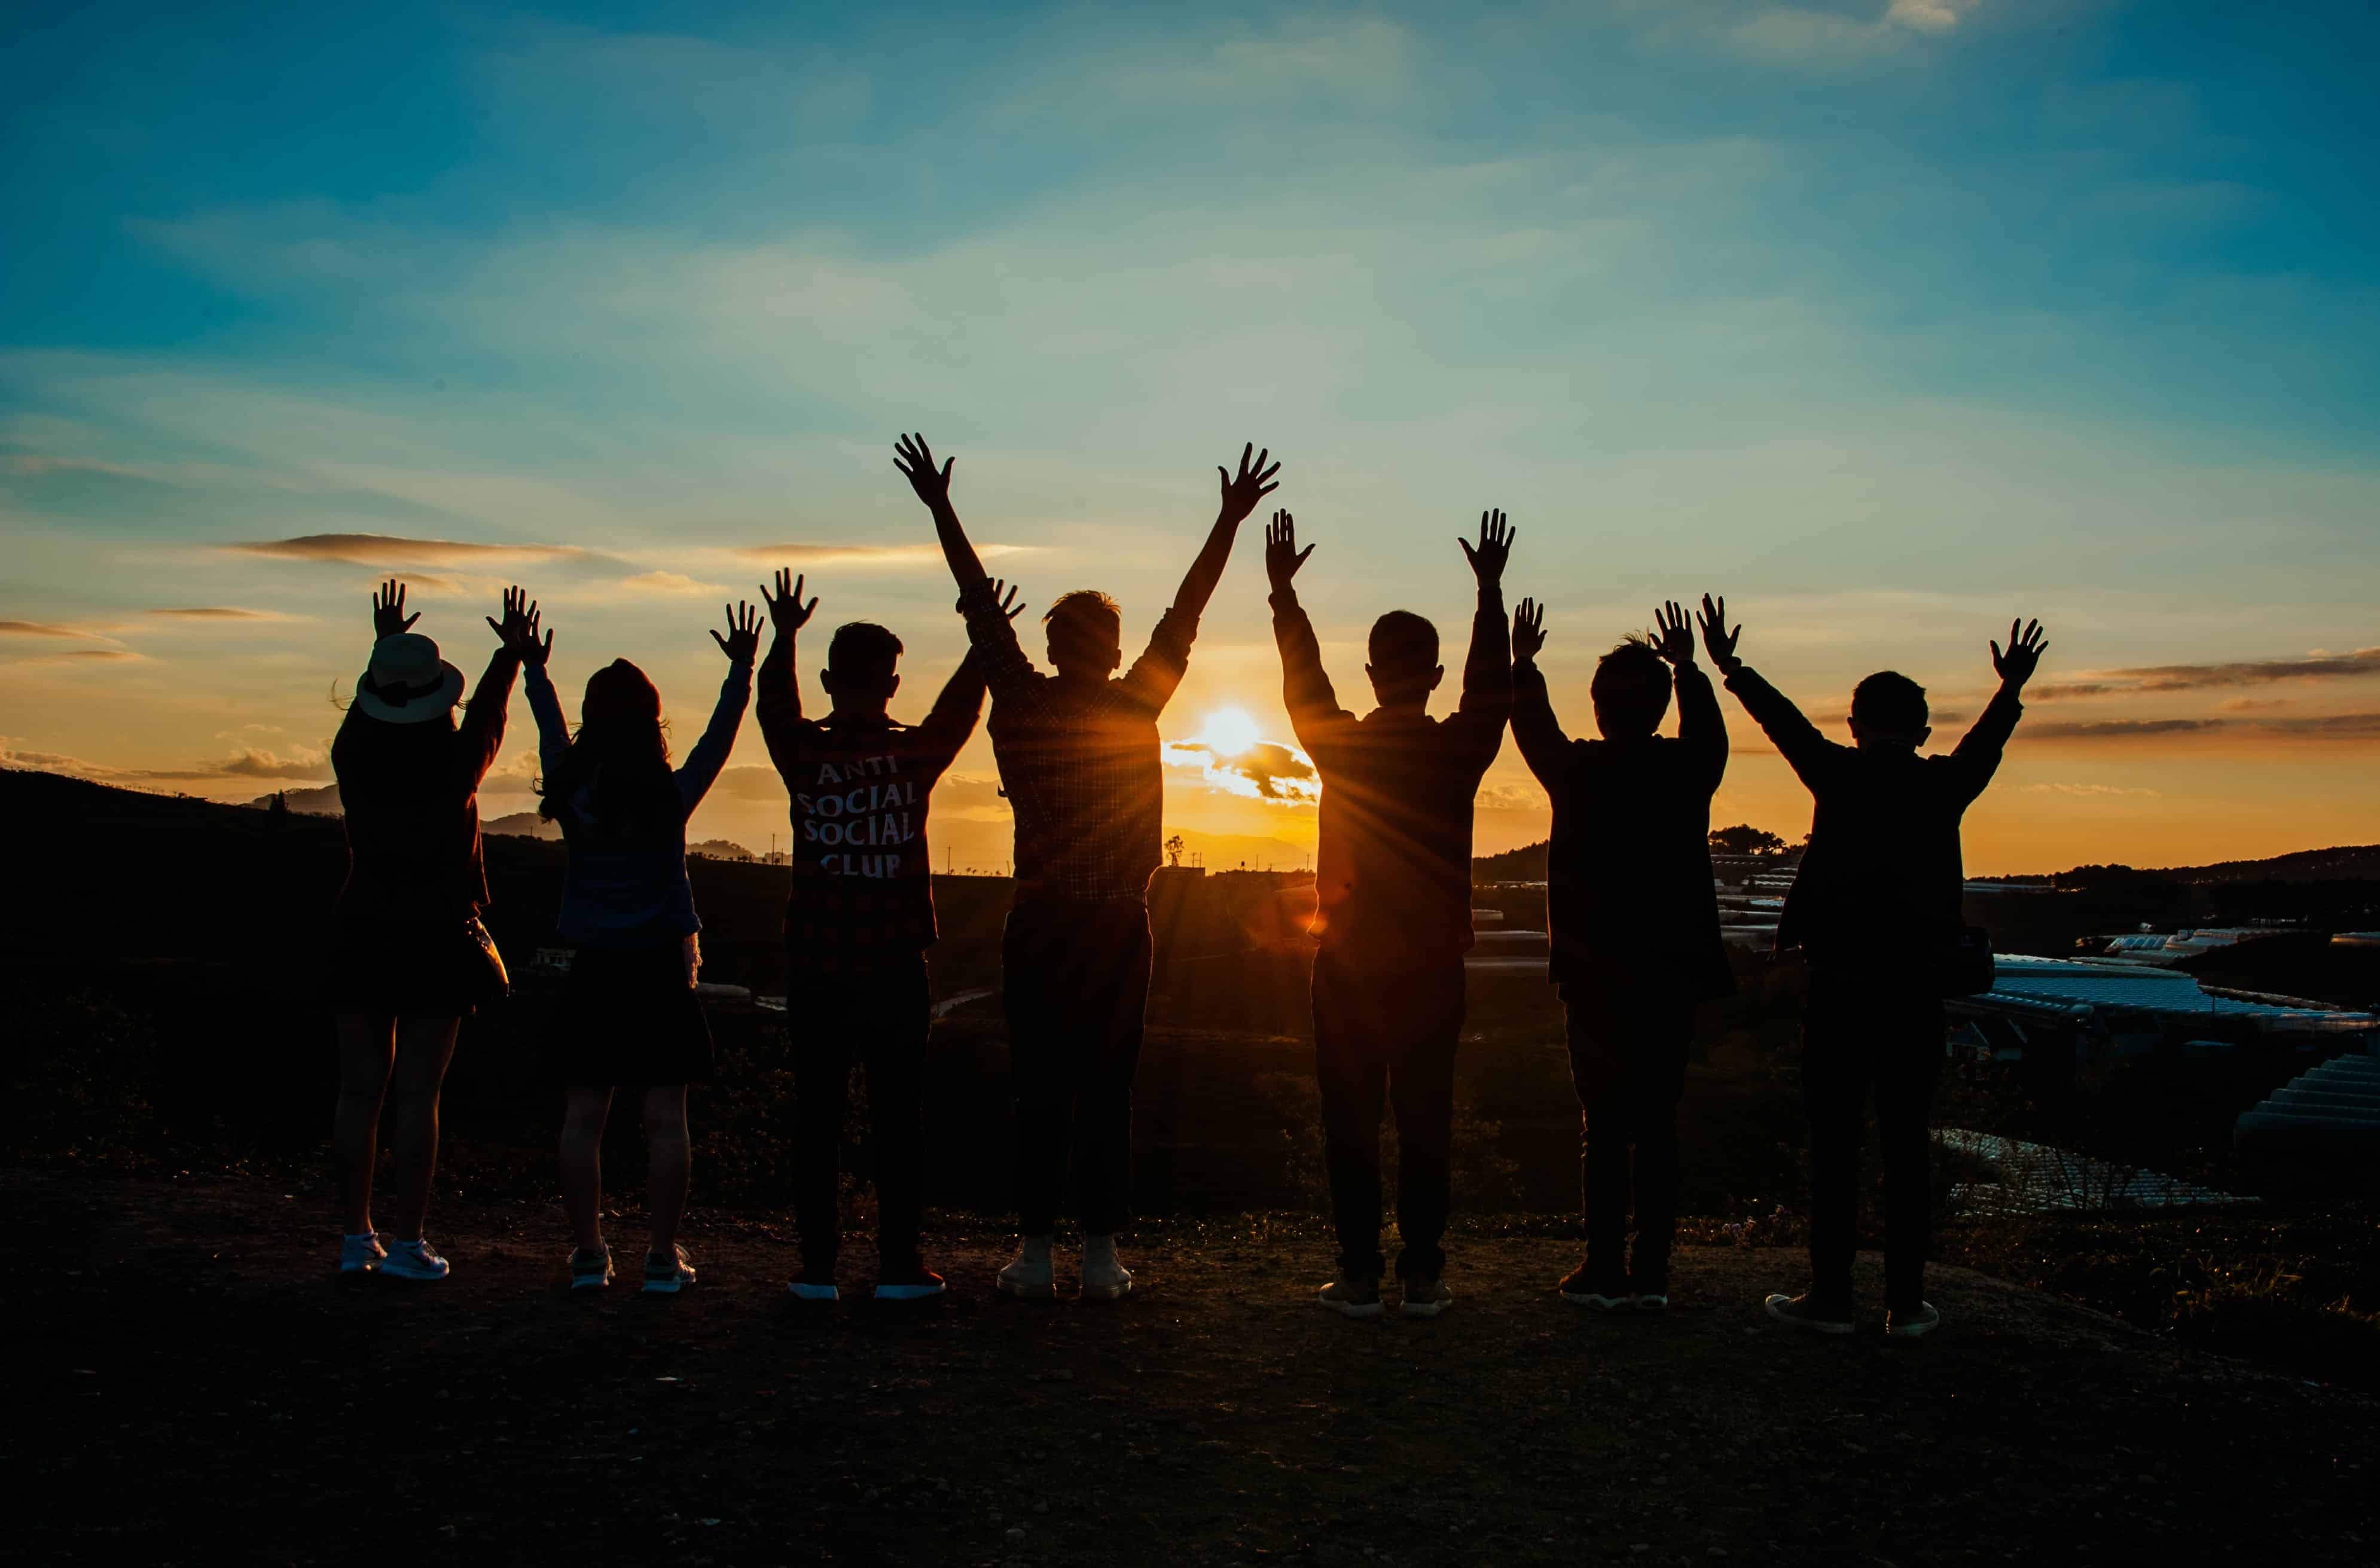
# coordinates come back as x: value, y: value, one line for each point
x: 910, y: 1284
x: 814, y: 1284
x: 1358, y: 1296
x: 668, y: 1274
x: 361, y: 1255
x: 1804, y: 1313
x: 1427, y: 1298
x: 1030, y: 1276
x: 1579, y: 1292
x: 590, y: 1271
x: 1104, y: 1276
x: 1910, y: 1325
x: 415, y: 1259
x: 1651, y: 1301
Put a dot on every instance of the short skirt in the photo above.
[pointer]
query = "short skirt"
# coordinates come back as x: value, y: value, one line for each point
x: 627, y: 1016
x: 417, y: 969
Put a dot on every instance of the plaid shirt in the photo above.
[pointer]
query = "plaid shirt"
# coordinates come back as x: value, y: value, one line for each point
x: 1081, y: 767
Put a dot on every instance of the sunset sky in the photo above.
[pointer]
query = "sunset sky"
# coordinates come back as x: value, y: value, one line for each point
x: 1889, y: 320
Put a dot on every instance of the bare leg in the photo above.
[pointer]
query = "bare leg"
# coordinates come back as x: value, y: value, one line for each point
x: 424, y: 1046
x: 366, y: 1049
x: 666, y: 1138
x: 584, y: 1113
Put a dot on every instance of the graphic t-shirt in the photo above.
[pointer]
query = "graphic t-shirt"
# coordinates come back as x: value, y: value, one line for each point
x: 862, y: 884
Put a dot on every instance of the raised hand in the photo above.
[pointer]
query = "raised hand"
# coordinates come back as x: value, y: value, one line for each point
x: 1282, y: 557
x: 916, y: 460
x: 1529, y: 629
x: 1005, y: 598
x: 1494, y: 549
x: 1677, y: 644
x: 2023, y: 656
x: 1252, y: 484
x: 388, y: 611
x: 1717, y: 640
x: 743, y: 638
x: 517, y: 630
x: 786, y: 611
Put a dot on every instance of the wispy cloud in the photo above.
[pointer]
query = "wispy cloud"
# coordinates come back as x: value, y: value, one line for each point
x: 219, y: 613
x: 870, y: 557
x: 2089, y: 789
x: 2202, y: 677
x: 1266, y: 770
x: 2313, y: 726
x: 391, y: 550
x: 44, y: 629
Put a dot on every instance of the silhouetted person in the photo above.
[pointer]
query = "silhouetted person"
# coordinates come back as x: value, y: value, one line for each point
x: 1392, y: 885
x: 858, y: 920
x: 1079, y: 759
x: 1634, y: 920
x: 628, y: 1014
x: 1875, y: 906
x: 410, y: 957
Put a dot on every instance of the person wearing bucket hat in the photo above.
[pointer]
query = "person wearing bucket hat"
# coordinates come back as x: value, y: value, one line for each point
x: 409, y: 958
x: 628, y: 1014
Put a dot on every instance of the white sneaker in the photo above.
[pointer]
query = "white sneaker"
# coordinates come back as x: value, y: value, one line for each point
x: 361, y: 1255
x: 1104, y: 1276
x: 1912, y: 1325
x: 1030, y: 1276
x: 590, y: 1271
x: 667, y: 1275
x: 414, y: 1260
x: 1427, y: 1298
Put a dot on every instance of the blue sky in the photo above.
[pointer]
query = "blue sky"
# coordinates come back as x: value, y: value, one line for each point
x: 1890, y: 320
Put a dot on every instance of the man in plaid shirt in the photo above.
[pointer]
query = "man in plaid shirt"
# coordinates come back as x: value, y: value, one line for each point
x: 1079, y: 759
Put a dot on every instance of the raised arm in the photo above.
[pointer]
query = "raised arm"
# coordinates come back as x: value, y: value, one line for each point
x: 1314, y: 710
x: 1809, y: 753
x: 701, y: 769
x: 481, y: 731
x: 955, y: 712
x: 1538, y: 733
x: 1978, y: 752
x: 1702, y: 731
x: 1240, y: 495
x: 779, y: 704
x: 915, y: 461
x: 1487, y: 669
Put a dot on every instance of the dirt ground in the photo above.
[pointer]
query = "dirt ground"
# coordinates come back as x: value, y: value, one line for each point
x: 196, y: 1386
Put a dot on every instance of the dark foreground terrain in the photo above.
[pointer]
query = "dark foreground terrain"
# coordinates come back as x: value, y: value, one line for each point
x: 191, y: 1384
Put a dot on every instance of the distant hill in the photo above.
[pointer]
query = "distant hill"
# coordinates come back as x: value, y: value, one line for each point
x: 2342, y: 863
x: 522, y: 824
x: 323, y: 801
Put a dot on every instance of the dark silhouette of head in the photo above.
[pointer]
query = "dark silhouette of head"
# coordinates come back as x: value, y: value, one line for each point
x: 1085, y: 635
x: 1888, y: 713
x: 1405, y: 667
x: 1631, y: 691
x: 861, y: 668
x: 620, y: 758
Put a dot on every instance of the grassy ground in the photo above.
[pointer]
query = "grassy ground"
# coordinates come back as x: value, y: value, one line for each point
x: 192, y: 1362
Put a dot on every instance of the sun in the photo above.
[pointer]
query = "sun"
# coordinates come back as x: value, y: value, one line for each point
x: 1229, y: 731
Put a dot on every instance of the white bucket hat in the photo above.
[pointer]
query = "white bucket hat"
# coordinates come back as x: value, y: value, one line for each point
x: 407, y: 682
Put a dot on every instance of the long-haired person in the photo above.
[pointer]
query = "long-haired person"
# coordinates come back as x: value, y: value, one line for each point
x: 410, y: 957
x: 628, y: 1014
